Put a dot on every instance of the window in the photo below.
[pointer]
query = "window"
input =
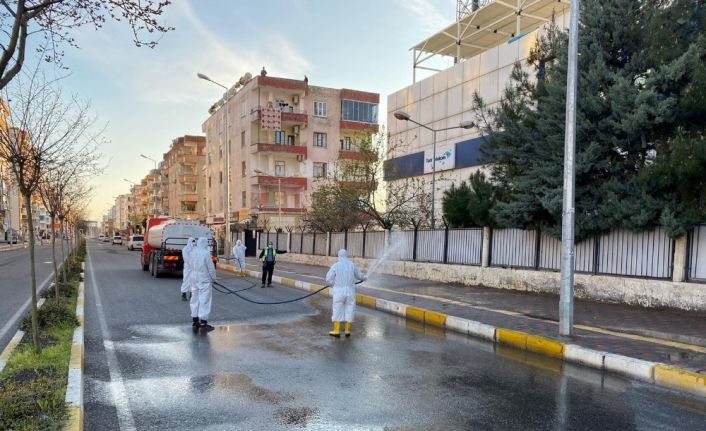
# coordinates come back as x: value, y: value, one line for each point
x: 290, y: 139
x: 320, y: 109
x: 319, y: 139
x: 279, y: 168
x: 362, y: 112
x: 279, y: 137
x: 209, y: 182
x: 346, y: 143
x: 319, y: 170
x: 242, y: 167
x: 242, y: 139
x: 243, y: 109
x: 245, y: 197
x: 220, y: 178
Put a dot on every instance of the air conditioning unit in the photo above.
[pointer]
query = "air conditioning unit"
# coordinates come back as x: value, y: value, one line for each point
x: 295, y: 99
x: 300, y: 157
x: 296, y: 130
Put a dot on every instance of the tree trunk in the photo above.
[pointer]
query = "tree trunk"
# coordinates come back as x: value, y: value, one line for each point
x: 33, y: 274
x: 63, y: 255
x: 53, y: 258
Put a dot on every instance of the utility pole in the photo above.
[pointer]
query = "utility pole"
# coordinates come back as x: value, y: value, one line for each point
x: 566, y: 298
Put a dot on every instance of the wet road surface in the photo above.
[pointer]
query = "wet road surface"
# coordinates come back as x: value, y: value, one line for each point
x: 14, y: 284
x: 274, y: 367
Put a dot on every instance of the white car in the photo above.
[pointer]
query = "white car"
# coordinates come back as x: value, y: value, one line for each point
x: 135, y: 242
x: 117, y: 239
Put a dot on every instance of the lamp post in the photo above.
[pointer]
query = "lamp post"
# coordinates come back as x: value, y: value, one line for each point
x: 404, y: 116
x: 279, y: 193
x: 226, y: 209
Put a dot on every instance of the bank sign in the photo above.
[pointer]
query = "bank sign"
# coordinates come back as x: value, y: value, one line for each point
x: 445, y: 159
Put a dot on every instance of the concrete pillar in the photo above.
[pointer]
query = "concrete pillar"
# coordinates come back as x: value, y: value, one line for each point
x: 485, y: 255
x: 328, y: 243
x: 680, y: 252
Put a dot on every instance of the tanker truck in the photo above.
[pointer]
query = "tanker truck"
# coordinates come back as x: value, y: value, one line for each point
x: 165, y: 238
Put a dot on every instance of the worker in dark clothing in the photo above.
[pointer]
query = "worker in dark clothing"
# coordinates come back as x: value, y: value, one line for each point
x: 268, y: 256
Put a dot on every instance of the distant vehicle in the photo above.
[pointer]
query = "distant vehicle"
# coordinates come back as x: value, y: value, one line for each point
x: 135, y: 241
x: 117, y: 239
x: 11, y: 237
x: 106, y: 239
x: 100, y: 237
x: 165, y: 237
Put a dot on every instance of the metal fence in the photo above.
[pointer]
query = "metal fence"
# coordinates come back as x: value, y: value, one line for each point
x: 696, y: 264
x: 647, y: 254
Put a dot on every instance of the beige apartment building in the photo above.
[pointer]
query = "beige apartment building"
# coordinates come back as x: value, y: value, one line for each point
x: 492, y: 36
x: 283, y: 135
x: 182, y: 180
x: 122, y: 210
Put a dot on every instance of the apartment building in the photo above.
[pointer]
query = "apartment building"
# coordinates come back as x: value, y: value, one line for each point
x: 122, y: 209
x: 182, y: 179
x: 9, y: 201
x: 283, y: 134
x: 485, y: 43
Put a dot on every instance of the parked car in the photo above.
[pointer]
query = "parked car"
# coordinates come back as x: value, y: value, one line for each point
x: 101, y: 237
x: 135, y: 242
x: 117, y: 239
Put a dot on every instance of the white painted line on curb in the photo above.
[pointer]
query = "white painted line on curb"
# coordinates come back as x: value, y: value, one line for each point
x: 583, y: 356
x: 117, y: 386
x: 636, y: 368
x: 22, y: 310
x: 14, y: 341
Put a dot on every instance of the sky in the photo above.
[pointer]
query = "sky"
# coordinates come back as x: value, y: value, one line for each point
x: 147, y: 97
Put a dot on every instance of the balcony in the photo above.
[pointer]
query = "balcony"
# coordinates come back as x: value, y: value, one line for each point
x: 357, y: 156
x: 188, y: 197
x: 267, y: 180
x: 359, y: 127
x: 188, y: 178
x: 189, y: 159
x: 289, y: 117
x: 270, y: 209
x: 266, y: 149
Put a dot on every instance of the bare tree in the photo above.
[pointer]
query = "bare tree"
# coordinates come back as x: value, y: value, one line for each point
x: 56, y: 20
x: 41, y: 127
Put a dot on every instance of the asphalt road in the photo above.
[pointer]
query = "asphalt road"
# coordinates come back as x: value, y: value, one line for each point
x: 14, y: 285
x: 274, y: 367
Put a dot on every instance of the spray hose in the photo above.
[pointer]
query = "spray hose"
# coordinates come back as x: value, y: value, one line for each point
x: 229, y: 291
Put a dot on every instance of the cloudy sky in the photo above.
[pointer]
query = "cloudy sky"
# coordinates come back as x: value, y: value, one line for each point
x: 147, y: 97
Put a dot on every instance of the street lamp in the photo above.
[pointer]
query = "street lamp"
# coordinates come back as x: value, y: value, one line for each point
x: 226, y: 96
x: 128, y: 181
x: 279, y: 193
x: 404, y: 116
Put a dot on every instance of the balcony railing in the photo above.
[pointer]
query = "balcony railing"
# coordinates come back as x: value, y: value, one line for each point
x: 296, y: 150
x: 290, y: 115
x: 275, y: 209
x: 188, y: 178
x: 188, y: 159
x: 357, y: 155
x: 358, y: 126
x: 267, y: 180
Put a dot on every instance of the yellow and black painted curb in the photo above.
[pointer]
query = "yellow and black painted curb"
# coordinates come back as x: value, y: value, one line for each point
x: 74, y: 388
x: 654, y: 372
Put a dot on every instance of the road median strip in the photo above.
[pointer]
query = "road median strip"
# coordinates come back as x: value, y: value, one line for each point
x: 653, y: 372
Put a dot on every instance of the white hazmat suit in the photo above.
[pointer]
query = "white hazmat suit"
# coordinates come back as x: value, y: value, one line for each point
x: 203, y: 273
x: 186, y: 257
x: 239, y: 254
x: 343, y: 276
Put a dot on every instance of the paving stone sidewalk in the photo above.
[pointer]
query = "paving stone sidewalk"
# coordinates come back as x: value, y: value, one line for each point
x: 672, y: 337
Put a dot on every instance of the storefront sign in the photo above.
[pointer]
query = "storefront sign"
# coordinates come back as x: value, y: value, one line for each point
x: 445, y: 159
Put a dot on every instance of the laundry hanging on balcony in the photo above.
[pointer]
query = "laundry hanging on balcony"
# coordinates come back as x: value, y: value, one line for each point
x: 271, y: 118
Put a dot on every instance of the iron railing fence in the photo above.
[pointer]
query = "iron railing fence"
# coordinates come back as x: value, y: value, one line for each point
x: 648, y: 254
x: 696, y: 249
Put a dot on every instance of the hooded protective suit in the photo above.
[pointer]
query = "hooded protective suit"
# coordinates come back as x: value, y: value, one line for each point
x: 239, y: 254
x: 342, y: 276
x: 203, y: 272
x: 186, y: 257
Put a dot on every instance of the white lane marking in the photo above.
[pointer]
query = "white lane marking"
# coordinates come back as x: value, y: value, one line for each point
x: 22, y: 310
x: 117, y: 387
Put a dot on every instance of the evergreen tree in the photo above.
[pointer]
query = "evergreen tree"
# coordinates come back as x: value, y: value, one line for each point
x: 481, y: 200
x: 455, y: 205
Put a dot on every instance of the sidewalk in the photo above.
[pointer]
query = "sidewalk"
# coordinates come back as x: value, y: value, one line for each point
x: 674, y: 338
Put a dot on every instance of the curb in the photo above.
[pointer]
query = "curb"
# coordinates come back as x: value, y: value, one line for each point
x: 74, y: 388
x: 14, y: 342
x: 652, y: 372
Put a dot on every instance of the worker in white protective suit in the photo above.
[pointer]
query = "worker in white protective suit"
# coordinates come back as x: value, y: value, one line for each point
x: 239, y: 253
x: 343, y: 276
x: 203, y: 273
x: 186, y: 272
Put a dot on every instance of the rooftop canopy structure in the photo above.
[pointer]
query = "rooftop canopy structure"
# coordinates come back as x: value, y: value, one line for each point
x: 487, y: 24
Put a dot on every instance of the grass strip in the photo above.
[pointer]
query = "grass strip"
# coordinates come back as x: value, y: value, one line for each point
x: 33, y: 385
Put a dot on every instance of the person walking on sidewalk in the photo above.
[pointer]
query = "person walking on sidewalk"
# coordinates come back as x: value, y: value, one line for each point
x: 343, y: 276
x: 203, y: 273
x: 268, y: 256
x: 186, y: 272
x: 239, y: 253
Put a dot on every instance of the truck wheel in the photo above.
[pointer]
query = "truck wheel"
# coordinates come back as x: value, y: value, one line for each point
x: 145, y: 267
x: 155, y: 270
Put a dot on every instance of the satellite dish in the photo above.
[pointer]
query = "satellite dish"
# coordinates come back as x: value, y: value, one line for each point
x: 242, y: 80
x: 247, y: 76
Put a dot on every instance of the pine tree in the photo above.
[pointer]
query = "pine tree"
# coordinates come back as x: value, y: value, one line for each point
x: 455, y: 205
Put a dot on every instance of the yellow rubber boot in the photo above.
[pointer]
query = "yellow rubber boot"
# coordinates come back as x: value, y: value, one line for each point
x: 348, y: 329
x: 336, y: 330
